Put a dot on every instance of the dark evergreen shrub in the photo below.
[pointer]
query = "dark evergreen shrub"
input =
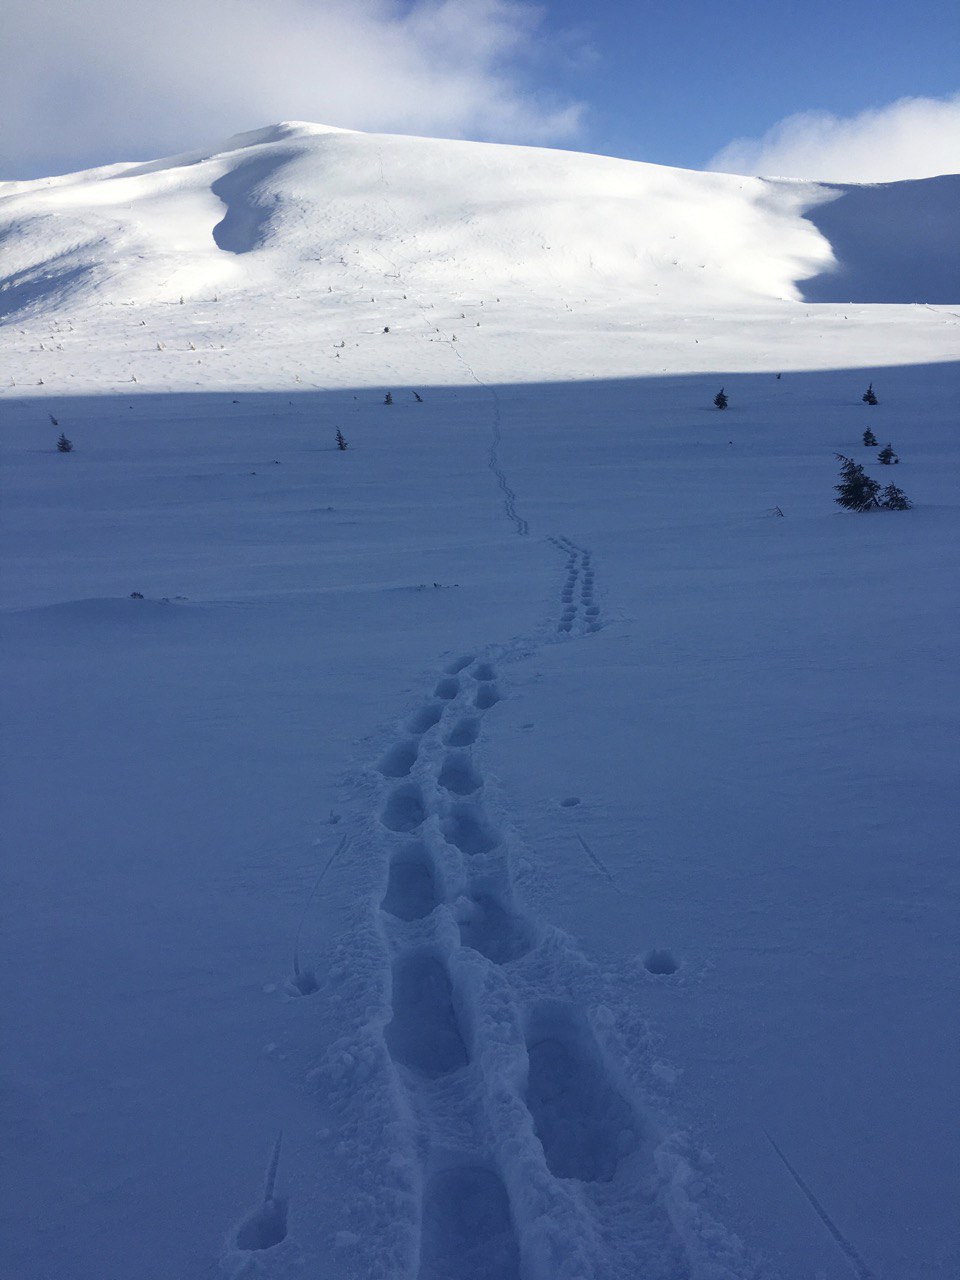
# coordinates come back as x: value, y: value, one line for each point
x: 895, y: 499
x: 857, y: 492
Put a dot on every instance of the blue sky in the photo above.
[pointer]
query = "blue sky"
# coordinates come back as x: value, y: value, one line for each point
x: 675, y: 82
x: 95, y: 81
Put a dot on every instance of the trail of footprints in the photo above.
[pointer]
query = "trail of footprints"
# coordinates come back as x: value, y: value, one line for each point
x: 512, y: 1099
x: 521, y: 525
x: 579, y: 611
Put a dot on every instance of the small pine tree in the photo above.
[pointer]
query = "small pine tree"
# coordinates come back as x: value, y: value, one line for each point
x: 886, y: 456
x: 388, y: 398
x: 895, y: 499
x: 341, y: 443
x: 869, y: 396
x: 64, y: 445
x: 857, y: 491
x: 869, y: 439
x: 720, y: 399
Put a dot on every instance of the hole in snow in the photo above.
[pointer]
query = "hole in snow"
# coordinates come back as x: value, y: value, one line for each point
x: 265, y: 1226
x: 458, y: 665
x: 399, y: 760
x: 458, y: 774
x: 494, y: 930
x: 464, y: 732
x: 469, y: 831
x: 487, y: 696
x: 656, y: 961
x: 424, y: 1034
x: 425, y: 718
x: 404, y: 810
x: 583, y: 1123
x: 467, y: 1228
x: 412, y: 884
x: 303, y: 983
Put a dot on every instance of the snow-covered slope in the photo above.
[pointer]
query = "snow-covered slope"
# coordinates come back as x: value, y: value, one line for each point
x: 540, y: 810
x: 268, y: 252
x: 892, y: 242
x: 315, y: 207
x: 311, y: 203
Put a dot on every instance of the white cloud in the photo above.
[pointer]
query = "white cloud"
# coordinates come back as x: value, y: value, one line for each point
x: 911, y: 138
x: 128, y: 79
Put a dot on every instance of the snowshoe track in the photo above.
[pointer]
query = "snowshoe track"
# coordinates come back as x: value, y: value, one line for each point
x: 530, y: 1159
x: 493, y: 1096
x: 579, y: 611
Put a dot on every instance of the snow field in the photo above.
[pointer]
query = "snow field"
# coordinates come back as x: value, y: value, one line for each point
x: 717, y: 800
x: 514, y: 810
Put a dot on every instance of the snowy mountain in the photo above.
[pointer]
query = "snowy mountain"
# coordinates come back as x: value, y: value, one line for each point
x: 539, y: 809
x: 307, y: 208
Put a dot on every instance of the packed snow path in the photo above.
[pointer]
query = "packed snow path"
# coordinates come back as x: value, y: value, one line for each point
x: 518, y: 1155
x: 513, y: 1148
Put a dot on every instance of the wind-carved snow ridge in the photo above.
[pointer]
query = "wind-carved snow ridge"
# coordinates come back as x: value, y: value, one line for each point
x: 506, y: 1135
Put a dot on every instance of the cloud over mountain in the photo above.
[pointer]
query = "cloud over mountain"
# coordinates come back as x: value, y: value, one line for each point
x: 910, y: 138
x: 104, y: 76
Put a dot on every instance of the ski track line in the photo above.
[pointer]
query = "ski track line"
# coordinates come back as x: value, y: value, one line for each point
x: 860, y: 1268
x: 601, y: 866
